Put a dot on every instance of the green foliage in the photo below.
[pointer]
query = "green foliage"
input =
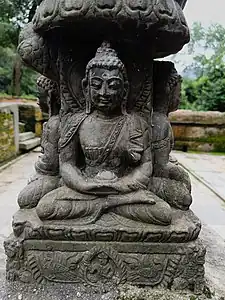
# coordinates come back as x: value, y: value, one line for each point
x: 7, y: 56
x: 13, y: 15
x: 28, y: 82
x: 207, y: 90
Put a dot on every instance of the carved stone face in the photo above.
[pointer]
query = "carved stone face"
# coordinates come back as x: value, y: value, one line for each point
x: 106, y: 89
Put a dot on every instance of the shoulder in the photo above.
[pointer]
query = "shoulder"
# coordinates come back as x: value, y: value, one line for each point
x: 69, y: 126
x: 137, y: 126
x: 136, y: 121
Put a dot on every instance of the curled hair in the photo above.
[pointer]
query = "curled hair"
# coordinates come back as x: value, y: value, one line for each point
x: 51, y: 89
x: 47, y: 84
x: 105, y: 57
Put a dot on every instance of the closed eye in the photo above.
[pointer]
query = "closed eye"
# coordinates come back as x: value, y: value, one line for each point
x: 96, y: 83
x: 114, y: 84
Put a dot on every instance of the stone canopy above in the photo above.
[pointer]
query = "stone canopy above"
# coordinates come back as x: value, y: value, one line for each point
x: 159, y: 23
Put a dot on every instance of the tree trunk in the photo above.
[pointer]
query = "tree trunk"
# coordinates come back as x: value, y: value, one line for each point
x: 16, y: 76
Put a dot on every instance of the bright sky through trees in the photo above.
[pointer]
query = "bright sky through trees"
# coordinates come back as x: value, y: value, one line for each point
x: 205, y: 11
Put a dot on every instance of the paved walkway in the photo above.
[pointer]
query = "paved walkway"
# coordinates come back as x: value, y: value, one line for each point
x: 209, y: 168
x: 12, y: 181
x: 207, y: 206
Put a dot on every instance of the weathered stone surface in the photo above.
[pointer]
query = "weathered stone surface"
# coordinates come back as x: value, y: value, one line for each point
x: 159, y: 19
x: 107, y: 253
x: 9, y: 131
x: 201, y: 131
x: 16, y: 176
x: 185, y: 227
x: 98, y: 264
x: 197, y: 117
x: 29, y: 144
x: 107, y: 203
x: 26, y: 136
x: 31, y: 115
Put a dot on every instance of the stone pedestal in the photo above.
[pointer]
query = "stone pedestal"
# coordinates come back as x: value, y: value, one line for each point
x: 104, y: 255
x: 106, y: 176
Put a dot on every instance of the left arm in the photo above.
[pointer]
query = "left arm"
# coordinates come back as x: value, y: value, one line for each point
x: 139, y: 177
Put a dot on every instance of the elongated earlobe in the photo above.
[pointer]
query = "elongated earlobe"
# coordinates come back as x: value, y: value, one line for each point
x: 85, y: 89
x: 124, y: 107
x: 88, y: 106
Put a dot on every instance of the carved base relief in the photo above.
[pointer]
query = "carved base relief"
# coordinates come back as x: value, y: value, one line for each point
x: 161, y: 265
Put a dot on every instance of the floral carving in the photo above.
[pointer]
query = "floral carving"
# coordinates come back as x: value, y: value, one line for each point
x: 102, y: 265
x: 190, y: 274
x: 14, y: 252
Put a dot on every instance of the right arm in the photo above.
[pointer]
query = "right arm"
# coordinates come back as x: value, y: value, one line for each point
x: 70, y: 173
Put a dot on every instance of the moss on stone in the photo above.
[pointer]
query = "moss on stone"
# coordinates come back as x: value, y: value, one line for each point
x: 32, y: 117
x: 7, y: 144
x: 197, y: 117
x: 217, y: 142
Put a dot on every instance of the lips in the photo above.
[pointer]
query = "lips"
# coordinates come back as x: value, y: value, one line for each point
x: 103, y: 101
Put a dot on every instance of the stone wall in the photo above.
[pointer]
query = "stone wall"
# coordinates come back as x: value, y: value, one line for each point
x: 198, y: 131
x: 9, y: 131
x: 32, y: 118
x: 17, y: 116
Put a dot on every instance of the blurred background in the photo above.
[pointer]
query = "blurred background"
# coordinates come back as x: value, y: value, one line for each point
x: 201, y: 63
x: 198, y: 126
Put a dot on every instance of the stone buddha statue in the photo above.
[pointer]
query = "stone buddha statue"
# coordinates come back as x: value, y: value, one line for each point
x: 170, y: 181
x: 105, y: 154
x: 46, y: 177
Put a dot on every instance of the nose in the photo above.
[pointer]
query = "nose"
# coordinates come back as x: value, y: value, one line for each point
x: 103, y: 90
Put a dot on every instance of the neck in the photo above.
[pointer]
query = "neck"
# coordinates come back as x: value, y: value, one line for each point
x: 108, y: 114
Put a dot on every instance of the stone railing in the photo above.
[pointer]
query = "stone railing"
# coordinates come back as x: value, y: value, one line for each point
x: 30, y: 116
x: 18, y: 116
x: 198, y: 130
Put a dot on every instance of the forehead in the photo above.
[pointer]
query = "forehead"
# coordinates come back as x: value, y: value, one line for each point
x: 104, y: 73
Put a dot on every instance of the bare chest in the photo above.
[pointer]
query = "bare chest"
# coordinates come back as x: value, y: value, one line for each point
x: 96, y: 133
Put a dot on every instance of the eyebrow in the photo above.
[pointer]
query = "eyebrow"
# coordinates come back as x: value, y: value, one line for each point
x: 110, y: 78
x: 96, y: 77
x: 115, y: 78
